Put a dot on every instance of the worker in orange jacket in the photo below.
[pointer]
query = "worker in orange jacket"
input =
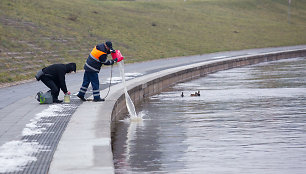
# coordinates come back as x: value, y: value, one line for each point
x: 95, y: 60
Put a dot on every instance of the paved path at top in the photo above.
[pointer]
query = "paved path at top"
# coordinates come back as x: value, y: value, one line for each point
x: 36, y: 129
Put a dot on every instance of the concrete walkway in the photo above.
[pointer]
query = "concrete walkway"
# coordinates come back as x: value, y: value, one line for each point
x: 40, y: 130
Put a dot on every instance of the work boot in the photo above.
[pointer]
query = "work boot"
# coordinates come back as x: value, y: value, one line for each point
x: 99, y: 100
x: 81, y: 97
x: 57, y: 101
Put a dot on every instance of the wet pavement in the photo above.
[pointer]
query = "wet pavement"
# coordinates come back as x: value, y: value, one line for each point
x: 246, y: 120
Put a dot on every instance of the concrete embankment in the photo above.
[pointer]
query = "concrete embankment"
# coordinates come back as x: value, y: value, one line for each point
x: 85, y: 146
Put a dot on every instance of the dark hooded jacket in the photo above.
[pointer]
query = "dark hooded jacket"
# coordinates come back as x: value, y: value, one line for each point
x: 57, y: 73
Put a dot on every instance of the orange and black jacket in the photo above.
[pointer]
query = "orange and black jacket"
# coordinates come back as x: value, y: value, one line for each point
x: 96, y: 58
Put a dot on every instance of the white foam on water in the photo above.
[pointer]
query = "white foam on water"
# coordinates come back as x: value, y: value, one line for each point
x: 136, y: 119
x: 139, y: 119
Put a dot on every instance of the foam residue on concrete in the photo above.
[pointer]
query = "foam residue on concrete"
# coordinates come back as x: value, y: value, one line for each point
x: 15, y: 155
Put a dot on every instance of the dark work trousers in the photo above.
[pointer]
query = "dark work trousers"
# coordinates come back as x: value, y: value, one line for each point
x: 90, y: 77
x: 53, y: 85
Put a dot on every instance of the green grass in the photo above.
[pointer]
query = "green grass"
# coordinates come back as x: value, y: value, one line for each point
x: 42, y: 32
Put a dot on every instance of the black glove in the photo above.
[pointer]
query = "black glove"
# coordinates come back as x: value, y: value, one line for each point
x: 116, y: 60
x: 109, y: 62
x: 113, y: 51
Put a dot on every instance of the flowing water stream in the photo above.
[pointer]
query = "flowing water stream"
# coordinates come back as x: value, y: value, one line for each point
x: 246, y: 120
x: 129, y: 103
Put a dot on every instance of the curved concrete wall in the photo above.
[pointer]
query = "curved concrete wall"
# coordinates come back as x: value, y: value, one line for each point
x: 85, y: 146
x: 155, y: 83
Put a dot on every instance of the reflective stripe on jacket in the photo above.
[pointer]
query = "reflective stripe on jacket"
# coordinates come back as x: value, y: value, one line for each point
x: 95, y: 59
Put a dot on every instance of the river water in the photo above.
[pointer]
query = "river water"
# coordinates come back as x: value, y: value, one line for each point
x: 246, y: 120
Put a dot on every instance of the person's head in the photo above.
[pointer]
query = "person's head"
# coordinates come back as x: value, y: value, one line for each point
x: 70, y: 67
x: 108, y: 46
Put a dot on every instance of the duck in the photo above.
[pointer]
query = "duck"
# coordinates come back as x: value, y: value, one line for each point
x: 182, y: 95
x: 195, y: 94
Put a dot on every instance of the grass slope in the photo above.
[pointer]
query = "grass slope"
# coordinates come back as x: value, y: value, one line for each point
x: 37, y: 33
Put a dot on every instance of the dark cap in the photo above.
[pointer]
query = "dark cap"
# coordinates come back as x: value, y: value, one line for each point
x: 109, y: 45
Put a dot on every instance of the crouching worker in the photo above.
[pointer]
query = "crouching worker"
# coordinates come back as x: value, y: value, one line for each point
x: 95, y: 60
x: 53, y: 77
